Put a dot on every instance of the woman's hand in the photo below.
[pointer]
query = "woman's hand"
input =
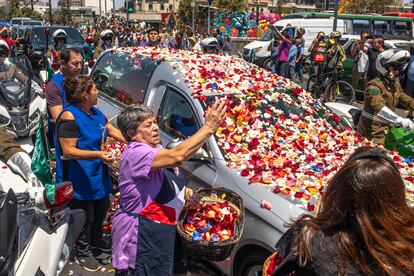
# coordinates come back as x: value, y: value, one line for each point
x: 215, y: 115
x: 105, y: 156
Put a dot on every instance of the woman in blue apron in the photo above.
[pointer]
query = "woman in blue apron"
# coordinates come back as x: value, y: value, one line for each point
x: 79, y: 130
x: 144, y: 227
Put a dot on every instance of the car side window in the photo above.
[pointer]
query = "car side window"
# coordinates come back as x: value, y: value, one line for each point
x: 176, y: 116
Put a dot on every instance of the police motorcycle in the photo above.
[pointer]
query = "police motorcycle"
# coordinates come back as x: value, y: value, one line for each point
x: 35, y: 239
x: 33, y: 232
x: 22, y: 102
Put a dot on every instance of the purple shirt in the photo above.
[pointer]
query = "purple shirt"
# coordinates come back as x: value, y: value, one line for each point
x: 284, y: 50
x: 138, y: 186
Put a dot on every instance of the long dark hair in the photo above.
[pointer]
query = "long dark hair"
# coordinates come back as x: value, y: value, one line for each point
x: 365, y: 209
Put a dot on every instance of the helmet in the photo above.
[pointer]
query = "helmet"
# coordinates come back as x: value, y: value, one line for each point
x: 210, y: 43
x: 107, y: 34
x: 397, y: 58
x: 4, y: 49
x: 59, y: 33
x: 335, y: 35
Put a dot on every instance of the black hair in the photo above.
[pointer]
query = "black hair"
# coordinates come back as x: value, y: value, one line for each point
x: 65, y: 54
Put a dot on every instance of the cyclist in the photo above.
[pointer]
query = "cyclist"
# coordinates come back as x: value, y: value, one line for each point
x: 383, y: 95
x: 335, y: 56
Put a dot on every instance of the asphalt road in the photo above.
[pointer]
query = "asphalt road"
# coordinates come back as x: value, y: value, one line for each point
x: 197, y: 268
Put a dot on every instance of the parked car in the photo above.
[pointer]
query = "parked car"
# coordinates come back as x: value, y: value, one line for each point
x: 36, y: 43
x: 348, y: 42
x: 277, y: 143
x: 19, y: 20
x: 257, y: 51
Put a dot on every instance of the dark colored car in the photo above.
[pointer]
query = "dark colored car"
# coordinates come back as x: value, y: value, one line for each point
x: 36, y: 43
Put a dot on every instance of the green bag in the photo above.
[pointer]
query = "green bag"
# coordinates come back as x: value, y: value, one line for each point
x: 41, y: 163
x: 400, y: 140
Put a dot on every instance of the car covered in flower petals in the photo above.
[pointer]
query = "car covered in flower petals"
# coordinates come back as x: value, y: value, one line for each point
x: 277, y: 148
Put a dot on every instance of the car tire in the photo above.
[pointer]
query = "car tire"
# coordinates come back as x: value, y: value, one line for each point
x: 252, y: 264
x: 266, y: 64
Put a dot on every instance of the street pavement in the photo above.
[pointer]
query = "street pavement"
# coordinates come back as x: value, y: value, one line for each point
x: 198, y: 268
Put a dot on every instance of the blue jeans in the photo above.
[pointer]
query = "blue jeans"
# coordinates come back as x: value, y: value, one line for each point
x: 292, y: 73
x: 281, y: 68
x: 299, y: 70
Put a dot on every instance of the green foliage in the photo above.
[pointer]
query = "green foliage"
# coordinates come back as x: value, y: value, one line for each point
x: 186, y: 10
x: 231, y: 5
x: 368, y: 6
x: 20, y: 9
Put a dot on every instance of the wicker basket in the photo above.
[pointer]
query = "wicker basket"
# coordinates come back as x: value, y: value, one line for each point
x: 113, y: 165
x: 210, y: 250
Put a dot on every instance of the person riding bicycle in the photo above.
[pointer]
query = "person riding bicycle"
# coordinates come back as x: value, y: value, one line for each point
x: 335, y: 56
x: 383, y: 95
x: 60, y: 39
x: 107, y: 37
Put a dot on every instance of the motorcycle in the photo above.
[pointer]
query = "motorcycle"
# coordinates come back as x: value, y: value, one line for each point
x: 22, y: 101
x: 35, y: 241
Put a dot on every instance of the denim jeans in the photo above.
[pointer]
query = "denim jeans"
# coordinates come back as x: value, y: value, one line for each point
x: 281, y: 68
x: 299, y: 70
x: 292, y: 73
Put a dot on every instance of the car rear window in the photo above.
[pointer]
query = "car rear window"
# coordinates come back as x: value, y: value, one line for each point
x: 39, y: 37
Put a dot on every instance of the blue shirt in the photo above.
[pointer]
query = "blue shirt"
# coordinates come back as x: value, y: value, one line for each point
x: 90, y: 178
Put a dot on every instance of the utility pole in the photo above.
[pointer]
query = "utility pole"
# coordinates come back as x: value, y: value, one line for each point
x: 50, y: 13
x: 100, y: 10
x: 335, y: 24
x: 106, y: 11
x: 193, y: 8
x: 208, y: 18
x: 113, y: 7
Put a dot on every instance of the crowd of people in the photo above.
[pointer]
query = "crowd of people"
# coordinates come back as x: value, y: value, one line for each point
x: 364, y: 227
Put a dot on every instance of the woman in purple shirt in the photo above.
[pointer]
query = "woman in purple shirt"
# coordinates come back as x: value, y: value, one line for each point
x: 144, y: 227
x: 283, y: 58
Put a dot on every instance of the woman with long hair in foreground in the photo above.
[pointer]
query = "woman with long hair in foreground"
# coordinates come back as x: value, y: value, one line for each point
x: 364, y: 227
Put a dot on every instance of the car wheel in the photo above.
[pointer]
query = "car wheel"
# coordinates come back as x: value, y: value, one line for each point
x: 266, y: 64
x: 252, y: 264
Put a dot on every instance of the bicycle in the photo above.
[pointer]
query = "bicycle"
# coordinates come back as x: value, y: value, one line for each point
x: 322, y: 83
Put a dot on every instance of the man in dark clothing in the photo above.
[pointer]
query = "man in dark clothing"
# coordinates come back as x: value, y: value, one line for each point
x: 373, y: 50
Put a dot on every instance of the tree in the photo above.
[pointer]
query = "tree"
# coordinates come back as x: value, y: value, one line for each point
x: 186, y: 10
x: 366, y: 6
x: 231, y: 5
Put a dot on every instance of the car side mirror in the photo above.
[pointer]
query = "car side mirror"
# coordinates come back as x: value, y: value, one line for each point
x: 199, y: 155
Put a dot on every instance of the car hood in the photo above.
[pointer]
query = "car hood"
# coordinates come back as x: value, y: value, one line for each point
x: 275, y: 134
x: 256, y: 44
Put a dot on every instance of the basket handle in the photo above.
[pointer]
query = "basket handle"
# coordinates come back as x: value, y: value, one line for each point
x: 106, y: 126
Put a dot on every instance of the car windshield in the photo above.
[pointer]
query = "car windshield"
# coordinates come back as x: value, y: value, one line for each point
x: 39, y: 37
x: 268, y: 35
x: 32, y: 23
